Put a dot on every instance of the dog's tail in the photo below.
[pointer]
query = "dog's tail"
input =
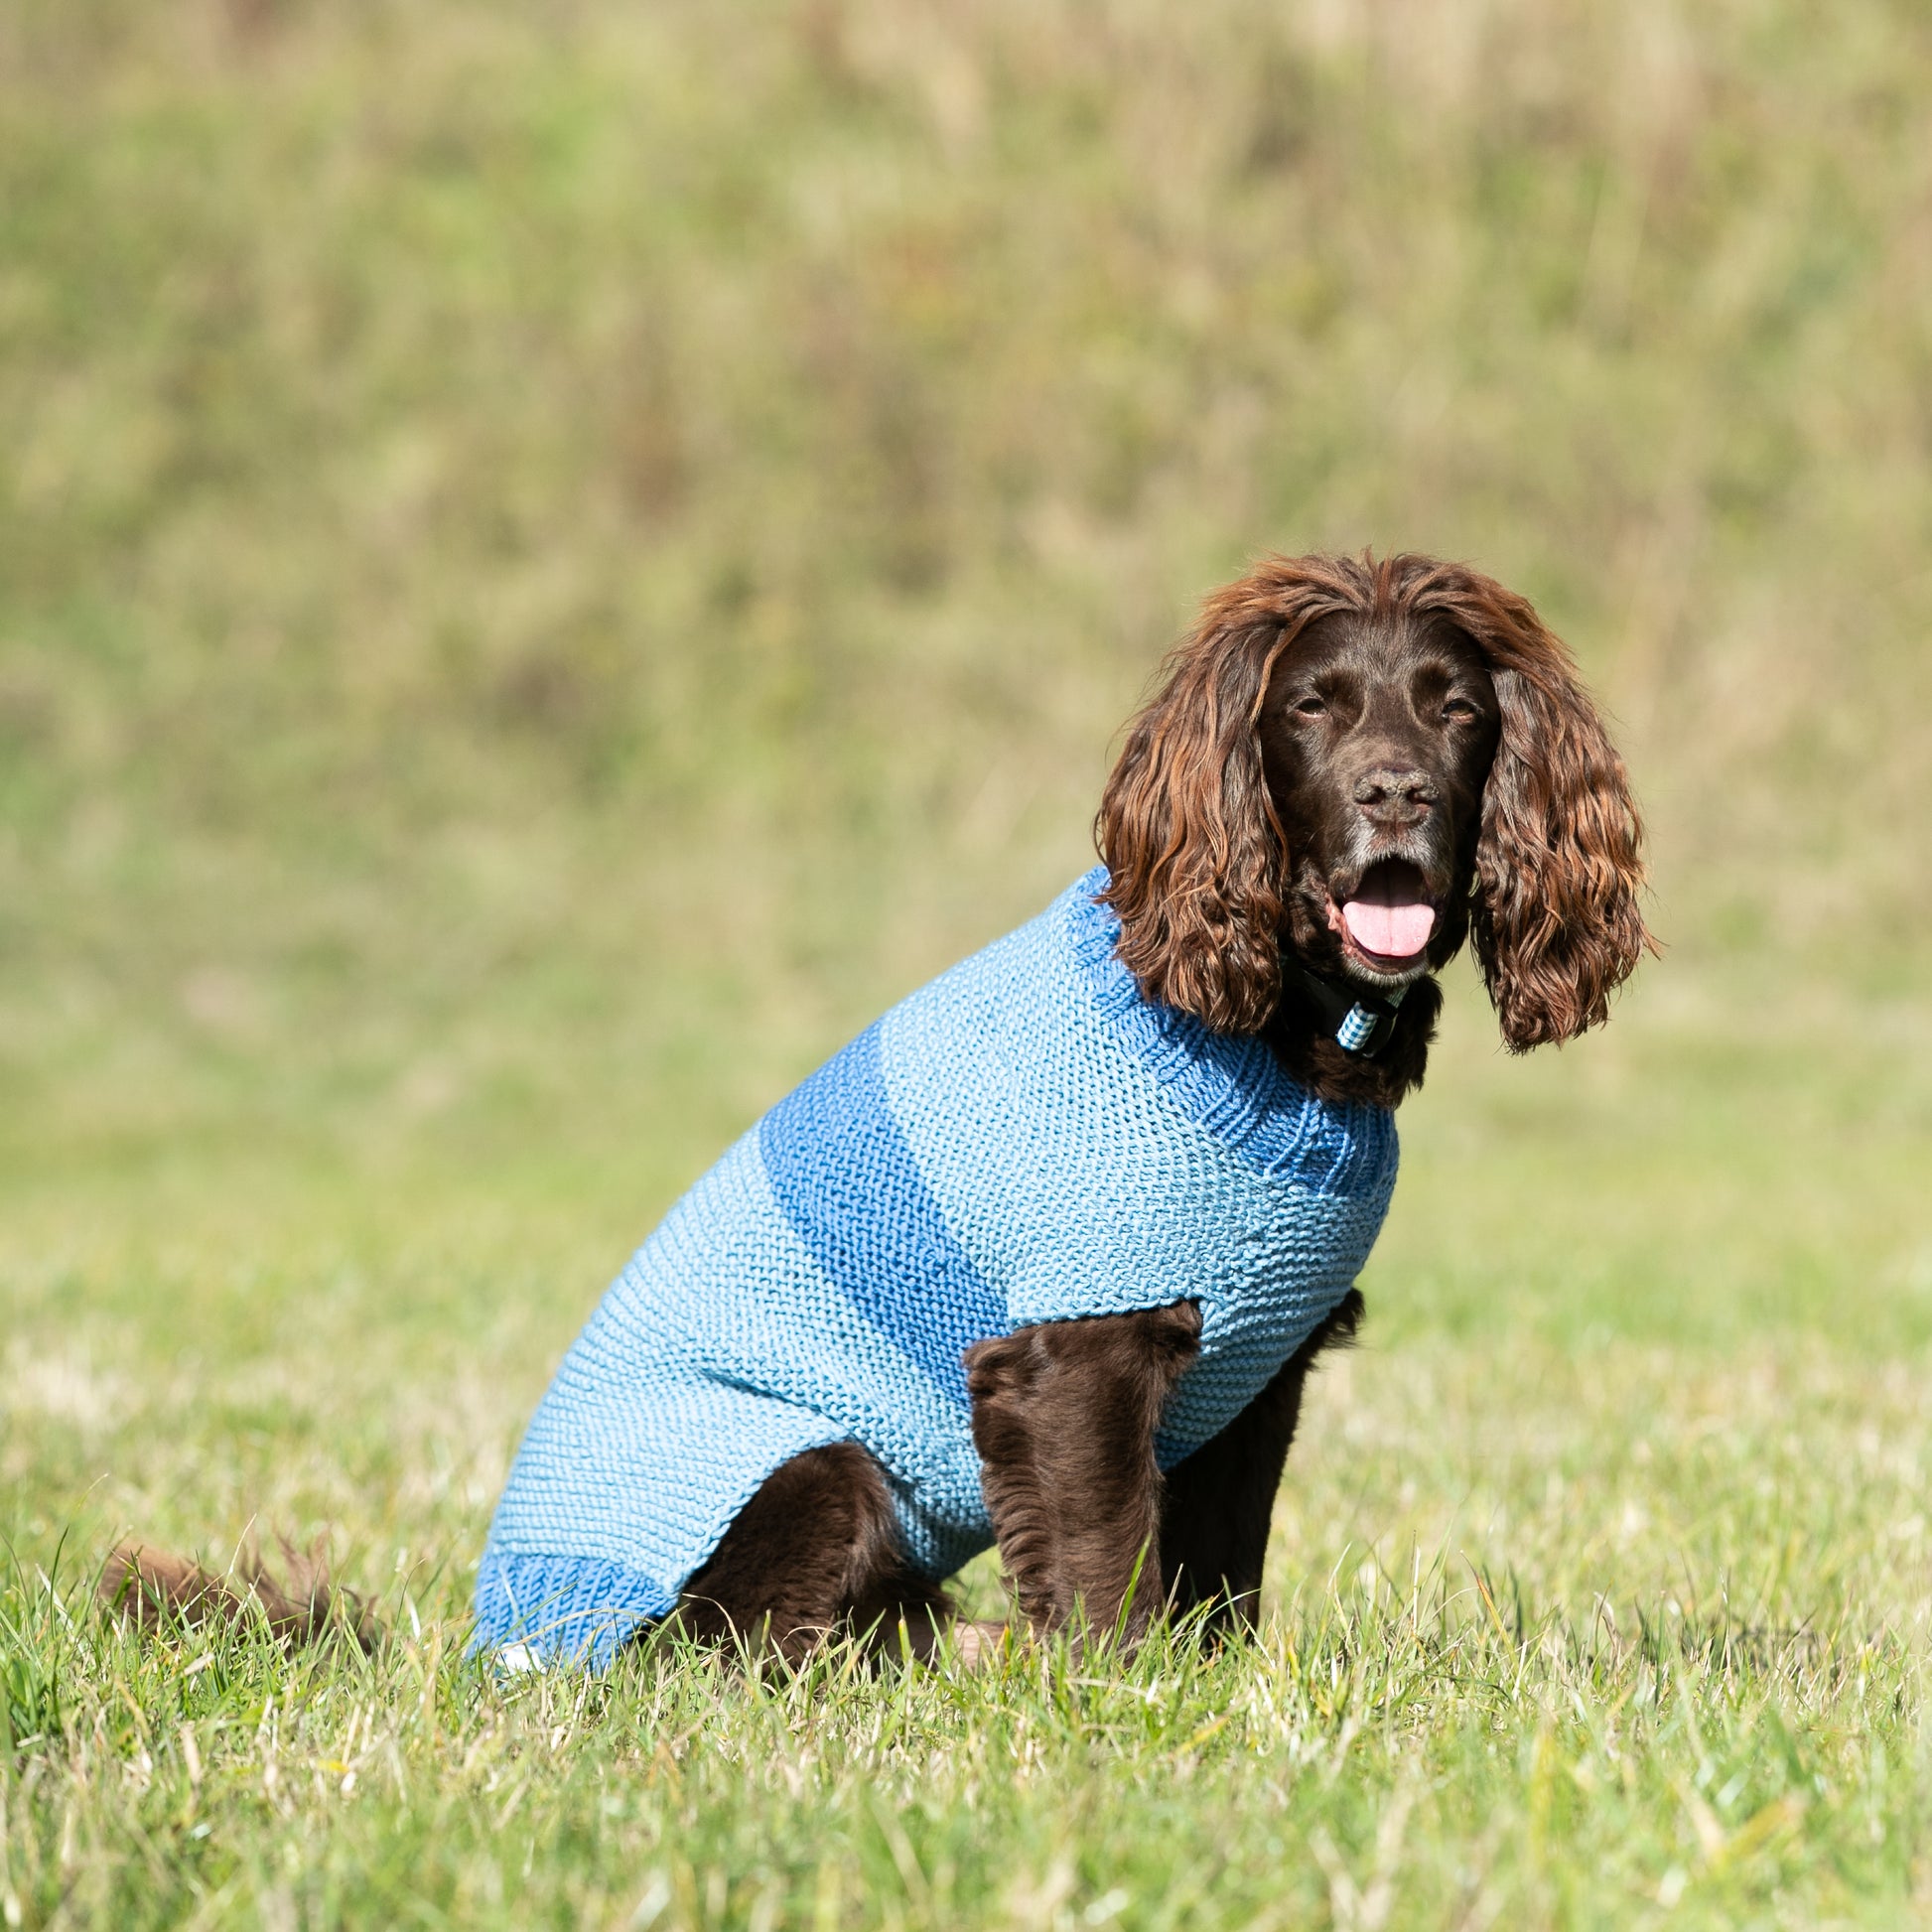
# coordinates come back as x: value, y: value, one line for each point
x: 158, y: 1593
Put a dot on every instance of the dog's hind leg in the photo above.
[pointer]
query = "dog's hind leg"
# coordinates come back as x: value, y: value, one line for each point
x: 815, y: 1551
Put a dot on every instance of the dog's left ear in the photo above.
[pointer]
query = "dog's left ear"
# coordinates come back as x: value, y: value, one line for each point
x: 1556, y: 925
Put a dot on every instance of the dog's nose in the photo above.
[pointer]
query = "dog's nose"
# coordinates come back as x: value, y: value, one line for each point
x: 1397, y: 792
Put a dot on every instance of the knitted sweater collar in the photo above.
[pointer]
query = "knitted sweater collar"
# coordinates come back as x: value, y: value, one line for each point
x: 1234, y: 1088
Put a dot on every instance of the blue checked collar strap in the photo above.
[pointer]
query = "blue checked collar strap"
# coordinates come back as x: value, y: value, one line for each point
x: 1362, y: 1023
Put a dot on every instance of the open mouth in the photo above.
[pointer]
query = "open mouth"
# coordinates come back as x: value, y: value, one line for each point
x: 1387, y: 920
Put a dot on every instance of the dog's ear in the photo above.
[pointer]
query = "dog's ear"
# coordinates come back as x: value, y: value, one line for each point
x: 1557, y: 921
x: 1195, y: 857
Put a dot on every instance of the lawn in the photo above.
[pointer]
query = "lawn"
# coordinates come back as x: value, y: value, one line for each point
x: 554, y: 559
x: 1600, y: 1585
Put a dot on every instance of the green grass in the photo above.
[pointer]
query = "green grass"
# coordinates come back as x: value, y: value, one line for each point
x: 553, y: 559
x: 1601, y: 1590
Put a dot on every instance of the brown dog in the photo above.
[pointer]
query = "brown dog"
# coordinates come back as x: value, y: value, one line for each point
x: 1350, y: 769
x: 1333, y: 733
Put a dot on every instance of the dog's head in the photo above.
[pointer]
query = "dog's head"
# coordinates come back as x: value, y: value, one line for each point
x: 1366, y: 763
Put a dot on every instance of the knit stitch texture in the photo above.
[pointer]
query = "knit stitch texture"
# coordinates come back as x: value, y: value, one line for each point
x: 1027, y: 1139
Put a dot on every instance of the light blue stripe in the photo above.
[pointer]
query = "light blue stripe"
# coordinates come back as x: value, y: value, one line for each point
x: 720, y: 1352
x: 1234, y: 1088
x: 565, y: 1609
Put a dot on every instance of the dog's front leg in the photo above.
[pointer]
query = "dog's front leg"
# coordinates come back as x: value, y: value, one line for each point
x: 1221, y: 1501
x: 1064, y: 1418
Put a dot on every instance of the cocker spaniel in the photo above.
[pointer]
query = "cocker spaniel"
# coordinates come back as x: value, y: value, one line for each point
x: 1044, y: 1257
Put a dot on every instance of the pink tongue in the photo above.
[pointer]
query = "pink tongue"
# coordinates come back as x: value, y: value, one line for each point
x: 1394, y: 931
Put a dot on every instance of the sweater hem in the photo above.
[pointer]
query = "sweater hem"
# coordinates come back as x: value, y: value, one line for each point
x: 562, y: 1609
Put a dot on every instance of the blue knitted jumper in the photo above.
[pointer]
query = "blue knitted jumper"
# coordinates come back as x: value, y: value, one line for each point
x: 1027, y: 1139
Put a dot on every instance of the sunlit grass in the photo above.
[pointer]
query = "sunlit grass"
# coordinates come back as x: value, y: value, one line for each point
x: 1390, y: 1749
x: 1601, y: 1589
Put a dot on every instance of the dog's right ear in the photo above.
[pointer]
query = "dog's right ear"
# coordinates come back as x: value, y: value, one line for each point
x: 1195, y: 857
x: 1558, y: 918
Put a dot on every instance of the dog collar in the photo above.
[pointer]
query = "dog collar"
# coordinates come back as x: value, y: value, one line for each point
x: 1362, y: 1023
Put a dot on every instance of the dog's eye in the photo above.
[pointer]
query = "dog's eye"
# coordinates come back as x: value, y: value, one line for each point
x: 1459, y: 711
x: 1309, y: 707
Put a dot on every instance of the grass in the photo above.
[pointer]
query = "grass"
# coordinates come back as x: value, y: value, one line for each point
x: 554, y: 559
x: 1599, y: 1592
x: 1379, y: 1751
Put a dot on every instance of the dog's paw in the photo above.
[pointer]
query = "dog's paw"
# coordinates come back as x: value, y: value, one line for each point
x: 976, y: 1643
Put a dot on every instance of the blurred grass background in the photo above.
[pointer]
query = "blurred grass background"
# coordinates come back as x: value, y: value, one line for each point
x: 558, y: 555
x: 555, y: 557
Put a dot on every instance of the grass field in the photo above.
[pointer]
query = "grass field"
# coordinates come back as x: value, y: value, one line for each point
x: 1601, y: 1581
x: 554, y: 558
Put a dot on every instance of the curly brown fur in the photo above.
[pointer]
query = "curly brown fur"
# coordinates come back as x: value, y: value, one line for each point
x: 1202, y: 850
x: 1064, y: 1418
x: 1557, y: 926
x: 158, y: 1593
x: 1192, y: 843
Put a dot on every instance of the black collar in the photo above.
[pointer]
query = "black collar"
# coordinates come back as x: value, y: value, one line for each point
x: 1362, y: 1023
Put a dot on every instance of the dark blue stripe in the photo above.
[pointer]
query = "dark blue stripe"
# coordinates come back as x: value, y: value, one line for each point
x: 848, y: 1183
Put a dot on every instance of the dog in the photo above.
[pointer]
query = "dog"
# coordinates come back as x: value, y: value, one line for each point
x: 1044, y: 1259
